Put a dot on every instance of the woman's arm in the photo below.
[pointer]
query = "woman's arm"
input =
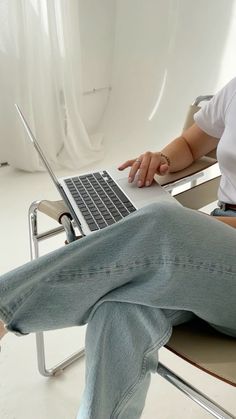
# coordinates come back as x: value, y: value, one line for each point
x: 190, y: 146
x: 177, y: 155
x: 231, y: 221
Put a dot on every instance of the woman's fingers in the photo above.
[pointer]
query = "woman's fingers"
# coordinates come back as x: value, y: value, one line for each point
x: 144, y: 168
x: 163, y: 169
x: 146, y: 165
x: 135, y: 168
x: 126, y: 164
x: 134, y: 164
x: 154, y: 163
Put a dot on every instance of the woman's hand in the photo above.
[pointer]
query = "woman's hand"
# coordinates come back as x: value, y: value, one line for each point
x: 147, y: 165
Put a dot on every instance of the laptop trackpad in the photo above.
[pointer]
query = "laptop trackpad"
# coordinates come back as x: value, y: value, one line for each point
x: 141, y: 196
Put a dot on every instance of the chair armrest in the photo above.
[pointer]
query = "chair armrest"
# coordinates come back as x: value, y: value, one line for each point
x: 54, y: 209
x: 200, y: 195
x: 196, y: 167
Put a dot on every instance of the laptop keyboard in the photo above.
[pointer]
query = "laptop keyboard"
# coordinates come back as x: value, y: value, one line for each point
x: 99, y: 199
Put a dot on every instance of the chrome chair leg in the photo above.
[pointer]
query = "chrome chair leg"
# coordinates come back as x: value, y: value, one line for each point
x: 200, y: 398
x: 35, y: 238
x: 58, y: 368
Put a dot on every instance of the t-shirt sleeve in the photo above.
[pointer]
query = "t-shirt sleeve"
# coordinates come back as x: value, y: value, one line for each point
x: 211, y: 117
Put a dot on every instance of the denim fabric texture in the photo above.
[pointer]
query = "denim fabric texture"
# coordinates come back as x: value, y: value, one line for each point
x: 131, y: 282
x: 223, y: 213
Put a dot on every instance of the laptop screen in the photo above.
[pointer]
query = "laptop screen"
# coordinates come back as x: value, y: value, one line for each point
x: 37, y: 147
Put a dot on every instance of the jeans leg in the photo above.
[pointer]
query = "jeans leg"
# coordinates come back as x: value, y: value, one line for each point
x: 162, y: 256
x: 122, y: 343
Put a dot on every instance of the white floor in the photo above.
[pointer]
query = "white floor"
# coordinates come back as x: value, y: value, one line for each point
x: 24, y: 394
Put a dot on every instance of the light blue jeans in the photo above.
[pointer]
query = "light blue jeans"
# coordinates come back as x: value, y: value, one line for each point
x: 131, y: 283
x: 225, y: 213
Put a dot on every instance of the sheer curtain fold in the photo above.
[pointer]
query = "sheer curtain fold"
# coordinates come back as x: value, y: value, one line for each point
x: 45, y: 51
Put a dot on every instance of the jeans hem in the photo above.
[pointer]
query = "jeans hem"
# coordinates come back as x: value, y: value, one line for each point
x: 5, y: 316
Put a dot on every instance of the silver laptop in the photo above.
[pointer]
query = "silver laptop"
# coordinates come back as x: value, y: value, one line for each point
x: 98, y: 199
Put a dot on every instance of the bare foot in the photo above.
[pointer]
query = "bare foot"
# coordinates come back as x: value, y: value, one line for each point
x: 3, y: 330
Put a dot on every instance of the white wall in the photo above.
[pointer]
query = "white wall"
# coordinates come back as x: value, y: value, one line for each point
x: 97, y: 32
x: 171, y: 46
x: 149, y: 51
x: 7, y: 70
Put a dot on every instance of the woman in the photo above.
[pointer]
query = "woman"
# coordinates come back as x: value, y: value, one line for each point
x: 133, y: 281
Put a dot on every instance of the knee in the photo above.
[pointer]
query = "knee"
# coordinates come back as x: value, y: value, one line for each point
x: 106, y: 326
x: 160, y: 208
x: 113, y: 318
x: 107, y: 313
x: 161, y: 212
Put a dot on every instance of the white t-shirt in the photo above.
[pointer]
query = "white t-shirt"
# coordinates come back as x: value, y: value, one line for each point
x: 218, y: 119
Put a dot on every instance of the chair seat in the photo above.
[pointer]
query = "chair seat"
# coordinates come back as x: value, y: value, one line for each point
x: 205, y: 348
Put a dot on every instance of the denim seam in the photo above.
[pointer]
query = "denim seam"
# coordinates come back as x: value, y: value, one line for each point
x: 129, y: 393
x: 5, y: 315
x: 88, y: 274
x: 164, y: 262
x: 152, y: 261
x: 9, y: 314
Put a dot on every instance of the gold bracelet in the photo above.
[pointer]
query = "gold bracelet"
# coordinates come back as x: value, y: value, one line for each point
x: 166, y: 157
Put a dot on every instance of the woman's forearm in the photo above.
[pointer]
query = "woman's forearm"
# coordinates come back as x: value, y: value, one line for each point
x: 179, y: 154
x: 190, y: 146
x: 231, y: 221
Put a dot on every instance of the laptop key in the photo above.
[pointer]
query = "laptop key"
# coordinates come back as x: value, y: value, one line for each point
x: 93, y: 226
x: 117, y: 217
x: 102, y: 224
x: 110, y: 221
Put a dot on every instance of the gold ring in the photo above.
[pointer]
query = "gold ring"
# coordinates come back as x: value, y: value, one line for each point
x: 138, y: 160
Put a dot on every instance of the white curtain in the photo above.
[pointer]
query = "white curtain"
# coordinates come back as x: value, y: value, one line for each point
x: 41, y: 45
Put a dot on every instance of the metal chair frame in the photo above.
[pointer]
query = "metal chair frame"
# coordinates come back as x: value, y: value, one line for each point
x: 35, y: 238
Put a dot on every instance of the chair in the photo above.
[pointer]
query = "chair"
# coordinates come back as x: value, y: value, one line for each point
x: 59, y: 212
x: 195, y: 342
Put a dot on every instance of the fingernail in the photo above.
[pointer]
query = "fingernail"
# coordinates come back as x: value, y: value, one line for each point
x: 139, y: 183
x: 147, y: 183
x: 130, y: 179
